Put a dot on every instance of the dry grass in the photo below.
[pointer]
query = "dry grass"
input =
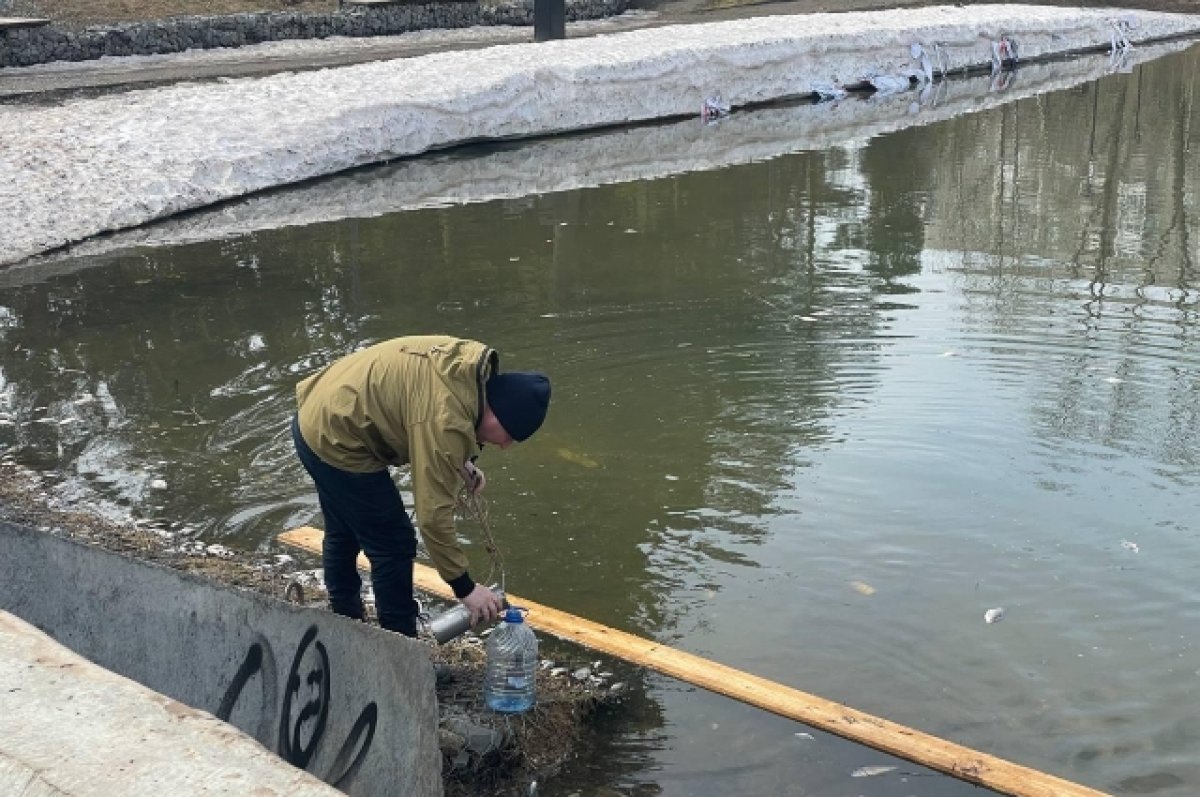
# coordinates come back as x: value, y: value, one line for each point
x: 81, y: 13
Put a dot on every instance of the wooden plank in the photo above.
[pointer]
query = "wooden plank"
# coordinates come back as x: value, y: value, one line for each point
x: 944, y: 756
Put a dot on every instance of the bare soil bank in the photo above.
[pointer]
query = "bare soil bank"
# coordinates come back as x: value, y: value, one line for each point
x: 81, y: 13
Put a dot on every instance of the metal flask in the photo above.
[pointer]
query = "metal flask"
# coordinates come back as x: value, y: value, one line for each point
x: 456, y: 621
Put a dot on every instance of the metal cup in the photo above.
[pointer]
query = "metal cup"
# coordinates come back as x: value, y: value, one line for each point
x: 456, y: 621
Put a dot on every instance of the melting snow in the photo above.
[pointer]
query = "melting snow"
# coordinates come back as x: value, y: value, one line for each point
x: 108, y: 163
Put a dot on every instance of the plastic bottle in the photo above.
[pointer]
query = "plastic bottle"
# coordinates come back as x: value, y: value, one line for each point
x: 510, y: 682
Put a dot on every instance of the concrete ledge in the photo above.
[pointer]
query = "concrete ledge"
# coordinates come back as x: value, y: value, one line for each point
x: 70, y: 727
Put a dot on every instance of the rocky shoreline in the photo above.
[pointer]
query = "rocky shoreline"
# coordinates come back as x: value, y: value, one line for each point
x: 27, y: 46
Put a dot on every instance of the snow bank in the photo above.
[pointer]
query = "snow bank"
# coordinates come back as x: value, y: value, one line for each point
x: 109, y: 163
x: 565, y: 163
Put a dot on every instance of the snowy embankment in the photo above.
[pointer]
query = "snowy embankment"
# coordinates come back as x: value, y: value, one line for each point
x: 109, y: 163
x: 565, y: 163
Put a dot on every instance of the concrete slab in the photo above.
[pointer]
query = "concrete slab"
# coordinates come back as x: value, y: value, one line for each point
x: 350, y: 703
x: 70, y: 727
x: 12, y: 23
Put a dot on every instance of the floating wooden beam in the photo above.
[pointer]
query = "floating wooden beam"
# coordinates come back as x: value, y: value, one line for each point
x: 955, y: 760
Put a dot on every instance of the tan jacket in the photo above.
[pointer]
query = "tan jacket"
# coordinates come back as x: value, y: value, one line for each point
x: 413, y: 400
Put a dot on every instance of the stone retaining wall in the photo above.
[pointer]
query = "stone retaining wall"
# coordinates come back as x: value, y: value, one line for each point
x: 28, y: 46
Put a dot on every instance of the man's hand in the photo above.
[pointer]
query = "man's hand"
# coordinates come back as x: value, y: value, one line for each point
x: 484, y: 604
x: 473, y: 476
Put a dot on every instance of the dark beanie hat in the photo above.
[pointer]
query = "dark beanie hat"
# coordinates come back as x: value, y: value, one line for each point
x: 519, y: 400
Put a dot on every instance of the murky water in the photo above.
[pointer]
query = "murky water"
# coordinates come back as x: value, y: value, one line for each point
x: 814, y: 415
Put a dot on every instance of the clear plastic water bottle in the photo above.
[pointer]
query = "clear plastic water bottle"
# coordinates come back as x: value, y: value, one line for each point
x: 510, y: 682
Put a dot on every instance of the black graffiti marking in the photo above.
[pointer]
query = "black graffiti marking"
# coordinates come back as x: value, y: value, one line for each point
x: 250, y: 665
x: 365, y: 724
x: 291, y: 748
x: 260, y: 660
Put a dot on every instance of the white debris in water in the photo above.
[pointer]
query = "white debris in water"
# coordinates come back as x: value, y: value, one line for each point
x: 219, y: 551
x: 158, y: 484
x: 112, y: 162
x: 993, y: 615
x: 808, y: 737
x: 1130, y: 546
x: 870, y: 772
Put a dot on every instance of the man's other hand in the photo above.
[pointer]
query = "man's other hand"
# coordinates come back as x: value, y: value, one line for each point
x: 473, y: 476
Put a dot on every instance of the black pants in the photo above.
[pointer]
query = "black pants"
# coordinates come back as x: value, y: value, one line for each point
x: 364, y: 512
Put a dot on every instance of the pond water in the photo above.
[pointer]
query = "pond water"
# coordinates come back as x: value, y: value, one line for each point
x: 813, y: 416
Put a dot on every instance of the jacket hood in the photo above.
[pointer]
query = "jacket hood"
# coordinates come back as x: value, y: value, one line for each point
x: 464, y: 366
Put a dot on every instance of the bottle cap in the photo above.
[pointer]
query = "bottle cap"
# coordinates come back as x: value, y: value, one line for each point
x: 513, y: 615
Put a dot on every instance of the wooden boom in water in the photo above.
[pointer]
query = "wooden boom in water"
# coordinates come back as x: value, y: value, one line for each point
x: 955, y: 760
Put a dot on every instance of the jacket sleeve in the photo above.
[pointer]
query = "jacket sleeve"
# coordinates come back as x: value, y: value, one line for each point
x: 437, y: 456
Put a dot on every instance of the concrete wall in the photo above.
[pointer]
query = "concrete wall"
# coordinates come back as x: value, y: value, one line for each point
x: 27, y: 46
x: 349, y: 703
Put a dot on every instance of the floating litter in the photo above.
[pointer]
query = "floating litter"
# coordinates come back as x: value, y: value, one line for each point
x: 870, y: 772
x: 993, y: 615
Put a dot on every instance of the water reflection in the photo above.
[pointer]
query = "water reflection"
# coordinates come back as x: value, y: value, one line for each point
x: 955, y: 363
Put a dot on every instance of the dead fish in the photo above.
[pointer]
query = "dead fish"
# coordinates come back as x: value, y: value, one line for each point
x: 870, y: 772
x: 578, y: 459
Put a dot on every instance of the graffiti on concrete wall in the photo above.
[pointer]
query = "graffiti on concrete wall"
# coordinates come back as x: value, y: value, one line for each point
x: 303, y: 712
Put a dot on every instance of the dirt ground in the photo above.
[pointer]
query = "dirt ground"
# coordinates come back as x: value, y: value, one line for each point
x: 79, y: 13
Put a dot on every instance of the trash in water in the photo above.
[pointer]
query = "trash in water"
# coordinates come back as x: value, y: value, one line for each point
x: 829, y: 91
x: 1130, y: 546
x: 862, y: 588
x: 806, y: 736
x: 713, y: 108
x: 888, y: 84
x: 869, y: 772
x: 993, y: 615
